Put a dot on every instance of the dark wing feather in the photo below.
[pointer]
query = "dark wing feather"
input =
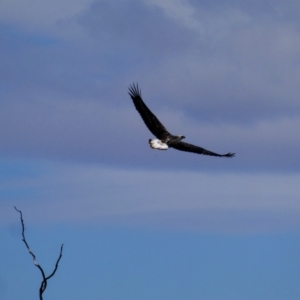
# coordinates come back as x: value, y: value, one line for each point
x: 153, y: 124
x: 195, y: 149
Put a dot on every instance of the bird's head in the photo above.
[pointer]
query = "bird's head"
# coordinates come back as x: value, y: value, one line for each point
x: 181, y: 137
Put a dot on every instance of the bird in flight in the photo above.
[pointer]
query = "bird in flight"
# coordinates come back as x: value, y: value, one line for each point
x: 164, y: 138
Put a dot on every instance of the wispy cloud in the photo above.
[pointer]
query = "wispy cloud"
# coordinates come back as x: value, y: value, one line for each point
x: 178, y: 10
x: 78, y: 193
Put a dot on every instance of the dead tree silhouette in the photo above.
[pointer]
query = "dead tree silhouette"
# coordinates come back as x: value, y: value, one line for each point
x: 45, y: 279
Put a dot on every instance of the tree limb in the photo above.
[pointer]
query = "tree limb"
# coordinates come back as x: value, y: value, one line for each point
x: 45, y: 279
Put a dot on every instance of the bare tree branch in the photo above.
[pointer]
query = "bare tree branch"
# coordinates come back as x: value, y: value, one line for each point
x: 45, y: 279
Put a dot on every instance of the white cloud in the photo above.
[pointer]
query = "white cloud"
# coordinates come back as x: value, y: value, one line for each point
x: 179, y: 10
x: 212, y: 24
x: 78, y: 193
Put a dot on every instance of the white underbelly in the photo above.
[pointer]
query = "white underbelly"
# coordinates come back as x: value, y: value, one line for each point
x: 158, y: 144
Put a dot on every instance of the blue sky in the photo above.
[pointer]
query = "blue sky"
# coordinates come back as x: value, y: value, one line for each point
x: 139, y: 223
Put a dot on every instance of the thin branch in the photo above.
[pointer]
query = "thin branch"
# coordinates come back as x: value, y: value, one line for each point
x: 45, y: 279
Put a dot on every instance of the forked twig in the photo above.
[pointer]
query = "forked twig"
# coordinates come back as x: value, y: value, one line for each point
x: 45, y: 279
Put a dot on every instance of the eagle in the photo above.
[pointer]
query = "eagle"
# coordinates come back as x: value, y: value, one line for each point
x: 164, y: 138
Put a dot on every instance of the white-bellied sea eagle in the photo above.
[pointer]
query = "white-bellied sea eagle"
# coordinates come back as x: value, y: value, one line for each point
x: 164, y: 138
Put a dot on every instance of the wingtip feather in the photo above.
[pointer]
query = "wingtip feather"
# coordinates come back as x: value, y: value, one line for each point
x: 134, y: 91
x: 229, y: 155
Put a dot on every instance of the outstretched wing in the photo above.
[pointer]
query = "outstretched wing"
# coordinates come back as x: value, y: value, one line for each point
x: 153, y: 124
x: 195, y: 149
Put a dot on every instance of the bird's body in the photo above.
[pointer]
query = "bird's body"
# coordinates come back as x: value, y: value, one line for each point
x: 164, y: 138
